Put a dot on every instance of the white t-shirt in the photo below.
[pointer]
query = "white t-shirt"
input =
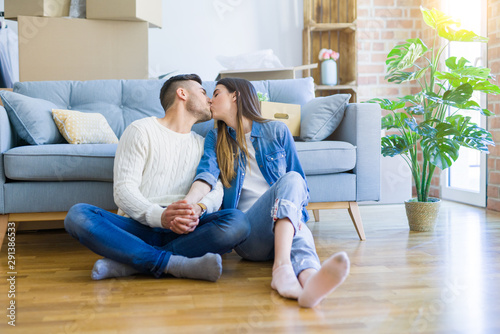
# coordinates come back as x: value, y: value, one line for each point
x: 254, y: 184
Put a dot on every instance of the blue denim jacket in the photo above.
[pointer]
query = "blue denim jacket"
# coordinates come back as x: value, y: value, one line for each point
x: 275, y: 153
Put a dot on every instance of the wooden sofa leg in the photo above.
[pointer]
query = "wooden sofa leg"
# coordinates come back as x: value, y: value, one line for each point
x: 356, y: 219
x: 4, y: 221
x: 316, y: 215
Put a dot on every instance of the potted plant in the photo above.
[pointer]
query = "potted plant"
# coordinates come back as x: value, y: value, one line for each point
x: 329, y: 59
x: 431, y: 120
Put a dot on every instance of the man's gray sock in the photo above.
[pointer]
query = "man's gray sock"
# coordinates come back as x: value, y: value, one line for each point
x: 107, y: 268
x: 208, y: 267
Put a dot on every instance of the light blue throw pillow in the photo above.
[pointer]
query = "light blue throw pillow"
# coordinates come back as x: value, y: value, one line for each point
x: 321, y: 116
x: 32, y: 118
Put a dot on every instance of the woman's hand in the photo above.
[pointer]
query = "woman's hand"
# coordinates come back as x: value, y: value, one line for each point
x: 197, y: 191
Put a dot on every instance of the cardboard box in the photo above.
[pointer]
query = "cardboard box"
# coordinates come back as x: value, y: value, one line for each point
x: 284, y: 112
x: 51, y: 8
x: 7, y: 89
x: 79, y: 49
x: 126, y: 10
x: 265, y: 73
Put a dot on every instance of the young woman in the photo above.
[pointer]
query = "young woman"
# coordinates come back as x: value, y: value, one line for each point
x: 258, y: 165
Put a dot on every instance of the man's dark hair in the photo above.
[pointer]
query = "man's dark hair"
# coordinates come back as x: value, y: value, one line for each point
x: 167, y: 93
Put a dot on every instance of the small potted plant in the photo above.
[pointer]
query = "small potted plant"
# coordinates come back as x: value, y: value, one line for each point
x: 430, y: 121
x: 328, y: 66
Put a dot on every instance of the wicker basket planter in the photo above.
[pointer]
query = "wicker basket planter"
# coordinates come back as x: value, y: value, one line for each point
x: 422, y: 216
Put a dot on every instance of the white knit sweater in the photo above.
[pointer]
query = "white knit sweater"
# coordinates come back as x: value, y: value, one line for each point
x: 154, y: 167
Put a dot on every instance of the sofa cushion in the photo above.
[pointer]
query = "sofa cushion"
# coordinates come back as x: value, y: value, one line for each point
x: 321, y: 116
x: 61, y: 162
x: 297, y: 91
x: 326, y: 157
x: 332, y: 187
x: 83, y: 128
x: 57, y: 196
x: 94, y: 162
x: 31, y: 118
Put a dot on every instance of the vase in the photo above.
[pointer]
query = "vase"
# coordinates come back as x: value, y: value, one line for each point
x: 329, y: 72
x: 422, y: 216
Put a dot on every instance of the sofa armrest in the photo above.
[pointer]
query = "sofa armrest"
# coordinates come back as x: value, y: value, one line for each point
x: 361, y: 126
x: 6, y: 133
x: 6, y: 143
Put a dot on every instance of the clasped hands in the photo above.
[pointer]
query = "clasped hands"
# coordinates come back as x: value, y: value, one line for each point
x: 181, y: 217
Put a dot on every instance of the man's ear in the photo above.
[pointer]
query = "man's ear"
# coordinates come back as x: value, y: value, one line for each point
x: 182, y: 93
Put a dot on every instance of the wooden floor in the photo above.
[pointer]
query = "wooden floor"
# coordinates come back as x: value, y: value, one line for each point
x: 447, y: 281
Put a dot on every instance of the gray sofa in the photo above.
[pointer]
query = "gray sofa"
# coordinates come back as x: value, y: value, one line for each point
x: 41, y: 182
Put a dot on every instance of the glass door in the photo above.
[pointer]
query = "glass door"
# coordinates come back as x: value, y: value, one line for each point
x: 465, y: 181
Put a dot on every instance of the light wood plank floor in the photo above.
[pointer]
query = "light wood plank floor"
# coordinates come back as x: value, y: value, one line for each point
x: 446, y: 281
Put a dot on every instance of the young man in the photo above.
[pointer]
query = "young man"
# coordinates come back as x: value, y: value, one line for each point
x: 156, y: 231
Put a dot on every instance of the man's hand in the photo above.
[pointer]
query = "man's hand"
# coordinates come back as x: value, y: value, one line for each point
x: 180, y: 217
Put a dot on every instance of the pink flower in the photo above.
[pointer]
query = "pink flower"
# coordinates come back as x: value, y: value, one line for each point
x: 322, y: 54
x: 326, y: 54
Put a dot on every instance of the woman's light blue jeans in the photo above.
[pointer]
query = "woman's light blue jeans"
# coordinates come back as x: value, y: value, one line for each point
x: 284, y: 199
x: 149, y: 249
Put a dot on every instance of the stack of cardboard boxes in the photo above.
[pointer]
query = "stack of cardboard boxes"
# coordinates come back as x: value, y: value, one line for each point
x: 112, y: 43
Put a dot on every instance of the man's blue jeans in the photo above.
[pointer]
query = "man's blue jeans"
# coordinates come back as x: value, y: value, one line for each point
x: 149, y: 249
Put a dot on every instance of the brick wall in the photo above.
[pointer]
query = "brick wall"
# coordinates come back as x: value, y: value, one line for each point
x: 381, y: 25
x: 494, y: 105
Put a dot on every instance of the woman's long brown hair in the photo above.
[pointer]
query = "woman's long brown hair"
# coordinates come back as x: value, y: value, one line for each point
x: 230, y: 151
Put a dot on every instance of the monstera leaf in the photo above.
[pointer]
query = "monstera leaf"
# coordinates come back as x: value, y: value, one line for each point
x: 440, y: 148
x: 387, y: 104
x: 459, y: 95
x: 453, y: 64
x: 473, y: 105
x: 403, y: 56
x: 440, y: 152
x: 395, y: 120
x: 416, y: 100
x: 452, y: 97
x: 424, y: 129
x: 416, y: 109
x: 461, y: 69
x: 486, y: 87
x: 460, y: 35
x: 394, y: 145
x: 470, y: 134
x: 401, y: 76
x: 435, y: 18
x: 441, y: 22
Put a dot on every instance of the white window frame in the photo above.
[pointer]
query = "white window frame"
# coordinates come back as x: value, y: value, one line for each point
x: 461, y: 195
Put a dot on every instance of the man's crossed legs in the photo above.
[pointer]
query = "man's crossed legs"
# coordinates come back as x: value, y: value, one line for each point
x: 130, y: 247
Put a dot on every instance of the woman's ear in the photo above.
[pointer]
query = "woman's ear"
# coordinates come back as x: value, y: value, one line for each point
x: 234, y: 95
